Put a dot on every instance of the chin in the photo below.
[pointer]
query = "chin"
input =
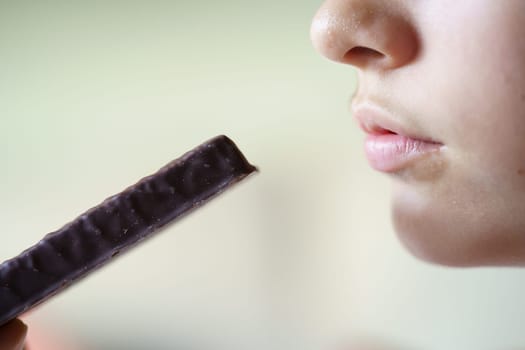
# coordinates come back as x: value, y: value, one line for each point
x: 444, y: 235
x: 431, y: 247
x: 449, y: 255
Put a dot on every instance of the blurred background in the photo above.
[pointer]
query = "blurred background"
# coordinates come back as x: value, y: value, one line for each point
x: 95, y: 95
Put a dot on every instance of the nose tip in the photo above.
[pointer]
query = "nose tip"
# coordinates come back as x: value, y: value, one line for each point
x: 364, y: 34
x: 327, y: 33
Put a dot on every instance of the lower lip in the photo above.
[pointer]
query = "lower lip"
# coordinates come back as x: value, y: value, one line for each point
x: 393, y: 152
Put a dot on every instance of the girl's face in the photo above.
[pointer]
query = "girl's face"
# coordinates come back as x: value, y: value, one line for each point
x: 442, y: 98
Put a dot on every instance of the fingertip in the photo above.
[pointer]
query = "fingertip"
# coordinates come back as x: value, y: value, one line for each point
x: 12, y: 335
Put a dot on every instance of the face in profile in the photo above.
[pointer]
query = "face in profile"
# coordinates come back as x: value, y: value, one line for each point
x: 441, y: 97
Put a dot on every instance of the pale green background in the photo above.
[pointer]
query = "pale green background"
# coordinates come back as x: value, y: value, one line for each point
x: 96, y: 94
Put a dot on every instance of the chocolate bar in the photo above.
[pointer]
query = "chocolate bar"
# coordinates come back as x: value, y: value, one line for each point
x: 118, y: 223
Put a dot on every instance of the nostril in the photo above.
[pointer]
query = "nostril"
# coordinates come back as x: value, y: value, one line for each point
x: 360, y: 55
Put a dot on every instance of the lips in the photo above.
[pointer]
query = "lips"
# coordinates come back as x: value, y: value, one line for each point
x: 389, y: 147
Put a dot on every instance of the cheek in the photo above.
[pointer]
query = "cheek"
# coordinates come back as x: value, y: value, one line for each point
x: 472, y: 69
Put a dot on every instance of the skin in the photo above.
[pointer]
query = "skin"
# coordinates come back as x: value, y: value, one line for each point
x: 15, y: 336
x: 12, y: 335
x: 453, y: 72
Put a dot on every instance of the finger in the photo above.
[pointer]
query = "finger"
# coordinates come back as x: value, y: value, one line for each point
x: 12, y: 335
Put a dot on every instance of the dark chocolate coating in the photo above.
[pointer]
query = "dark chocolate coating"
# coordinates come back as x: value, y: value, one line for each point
x: 118, y: 223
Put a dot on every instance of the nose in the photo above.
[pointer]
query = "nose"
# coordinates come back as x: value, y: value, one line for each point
x: 368, y: 34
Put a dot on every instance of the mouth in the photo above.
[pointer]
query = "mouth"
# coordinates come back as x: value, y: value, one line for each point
x: 390, y: 147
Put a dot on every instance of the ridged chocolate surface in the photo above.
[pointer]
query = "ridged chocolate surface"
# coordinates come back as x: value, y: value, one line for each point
x: 117, y: 224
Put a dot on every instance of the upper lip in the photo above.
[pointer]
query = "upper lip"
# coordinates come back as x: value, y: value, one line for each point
x: 376, y: 120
